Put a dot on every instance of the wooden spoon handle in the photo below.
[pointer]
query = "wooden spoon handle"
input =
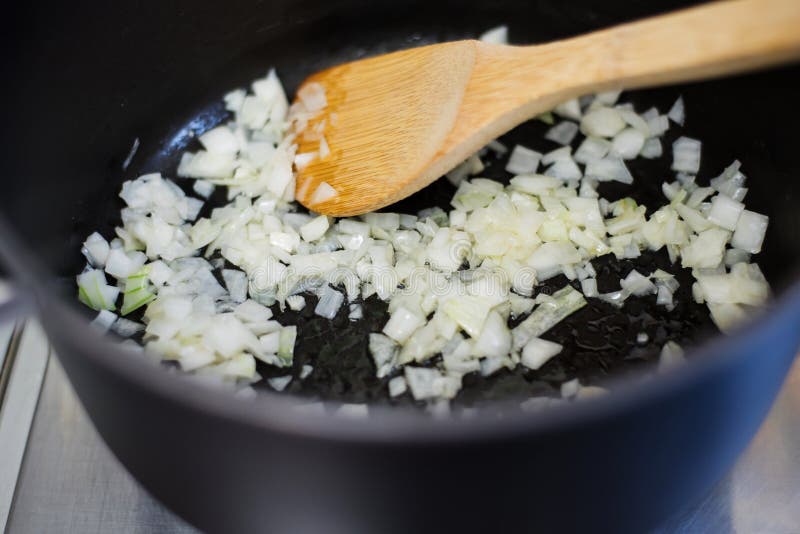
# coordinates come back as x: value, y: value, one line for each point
x: 698, y: 43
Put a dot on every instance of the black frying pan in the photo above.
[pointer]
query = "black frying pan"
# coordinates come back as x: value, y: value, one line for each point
x: 84, y: 81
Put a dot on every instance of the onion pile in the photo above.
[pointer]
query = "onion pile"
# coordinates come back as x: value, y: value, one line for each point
x: 453, y: 280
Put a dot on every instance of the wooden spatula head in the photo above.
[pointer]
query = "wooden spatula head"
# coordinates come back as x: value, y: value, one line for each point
x: 384, y: 121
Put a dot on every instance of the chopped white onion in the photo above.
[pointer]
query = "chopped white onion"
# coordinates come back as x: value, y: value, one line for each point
x: 397, y: 386
x: 750, y: 230
x: 652, y: 148
x: 236, y: 282
x: 571, y: 109
x: 671, y: 356
x: 562, y: 133
x: 725, y: 212
x: 322, y: 193
x: 676, y: 112
x: 538, y: 227
x: 591, y: 149
x: 104, y: 320
x: 602, y: 122
x: 628, y: 143
x: 537, y: 352
x: 563, y: 303
x: 296, y: 302
x: 498, y: 35
x: 329, y: 303
x: 96, y: 250
x: 610, y: 168
x: 315, y: 228
x: 637, y: 284
x: 564, y: 169
x: 523, y: 160
x: 279, y: 383
x: 686, y: 155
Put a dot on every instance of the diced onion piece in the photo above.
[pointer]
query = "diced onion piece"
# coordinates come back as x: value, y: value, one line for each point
x: 676, y: 112
x: 602, y: 122
x: 570, y: 389
x: 304, y: 159
x: 637, y: 284
x: 220, y: 140
x: 384, y: 352
x: 537, y: 352
x: 324, y: 149
x: 571, y: 109
x: 312, y: 95
x: 563, y: 153
x: 329, y: 303
x: 469, y: 312
x: 731, y: 182
x: 696, y: 221
x: 120, y: 264
x: 589, y: 287
x: 535, y: 185
x: 494, y: 339
x: 356, y: 312
x: 323, y: 192
x: 94, y: 292
x: 279, y: 383
x: 497, y: 147
x: 564, y: 302
x: 104, y: 320
x: 286, y: 344
x: 523, y: 160
x: 652, y: 148
x: 698, y: 196
x: 315, y: 229
x: 397, y: 386
x: 306, y: 371
x: 686, y: 155
x: 592, y: 148
x: 236, y: 282
x: 706, y: 250
x: 664, y: 297
x: 402, y: 323
x: 497, y: 35
x: 137, y: 294
x: 96, y: 250
x: 203, y: 188
x: 562, y: 133
x: 635, y: 120
x: 564, y: 169
x: 126, y: 328
x: 296, y: 302
x: 750, y: 231
x: 658, y: 125
x: 610, y: 168
x: 616, y: 298
x: 733, y: 288
x: 609, y: 98
x: 628, y: 143
x: 725, y: 212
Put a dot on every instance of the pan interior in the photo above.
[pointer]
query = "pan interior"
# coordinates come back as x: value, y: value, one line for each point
x: 168, y: 88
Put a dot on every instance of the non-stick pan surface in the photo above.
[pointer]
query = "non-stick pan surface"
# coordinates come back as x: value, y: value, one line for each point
x: 90, y: 79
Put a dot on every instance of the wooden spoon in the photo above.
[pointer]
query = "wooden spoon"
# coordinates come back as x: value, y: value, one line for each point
x: 395, y: 123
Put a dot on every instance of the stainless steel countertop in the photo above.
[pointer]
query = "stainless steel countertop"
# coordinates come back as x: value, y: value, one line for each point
x: 71, y: 483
